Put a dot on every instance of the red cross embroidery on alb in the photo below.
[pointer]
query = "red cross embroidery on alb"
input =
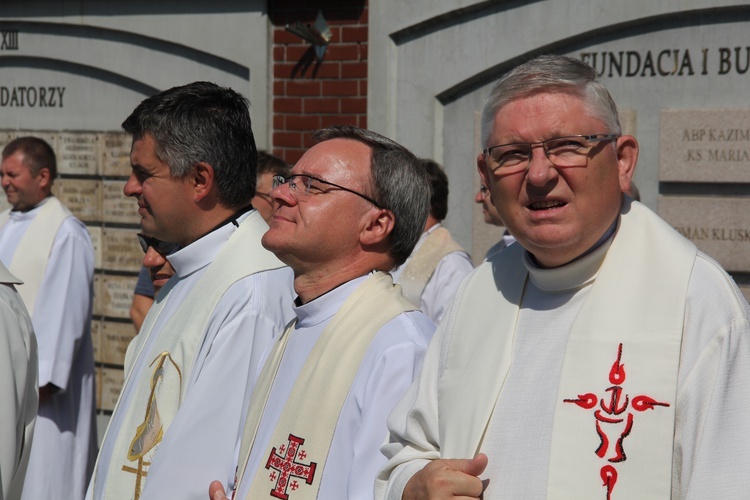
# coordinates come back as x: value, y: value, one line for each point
x: 285, y: 463
x: 613, y: 420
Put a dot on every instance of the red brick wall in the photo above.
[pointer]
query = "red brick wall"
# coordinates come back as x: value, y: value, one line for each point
x: 309, y: 94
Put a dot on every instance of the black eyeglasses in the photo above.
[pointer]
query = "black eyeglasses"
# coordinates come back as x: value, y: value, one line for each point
x: 569, y: 151
x: 303, y: 186
x: 163, y: 247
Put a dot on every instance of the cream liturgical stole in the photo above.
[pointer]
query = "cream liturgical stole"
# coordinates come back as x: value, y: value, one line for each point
x: 161, y: 388
x: 614, y: 419
x: 299, y: 445
x: 32, y: 254
x: 423, y: 262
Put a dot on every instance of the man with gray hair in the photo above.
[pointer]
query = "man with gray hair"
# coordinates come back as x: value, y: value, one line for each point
x: 193, y: 174
x: 603, y: 356
x: 352, y: 209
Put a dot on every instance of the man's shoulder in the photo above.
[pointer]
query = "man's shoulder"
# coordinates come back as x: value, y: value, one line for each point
x: 712, y: 289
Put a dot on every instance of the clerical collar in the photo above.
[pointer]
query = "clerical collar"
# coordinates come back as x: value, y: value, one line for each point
x: 13, y: 211
x: 575, y: 274
x: 232, y: 218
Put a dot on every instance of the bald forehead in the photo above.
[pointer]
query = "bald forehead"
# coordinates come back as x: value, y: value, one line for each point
x: 338, y: 159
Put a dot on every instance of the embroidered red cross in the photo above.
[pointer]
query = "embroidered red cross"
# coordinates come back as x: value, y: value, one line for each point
x: 610, y: 415
x: 287, y: 466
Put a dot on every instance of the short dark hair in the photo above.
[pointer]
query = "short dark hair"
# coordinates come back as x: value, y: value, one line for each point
x: 399, y: 184
x: 439, y: 183
x: 268, y: 163
x: 38, y: 154
x: 202, y: 122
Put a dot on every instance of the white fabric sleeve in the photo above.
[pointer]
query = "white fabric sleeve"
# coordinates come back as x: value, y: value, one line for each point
x: 439, y: 291
x: 63, y: 306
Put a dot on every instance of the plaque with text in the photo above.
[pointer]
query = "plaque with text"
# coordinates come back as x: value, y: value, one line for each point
x: 96, y: 241
x: 110, y: 384
x: 718, y: 226
x: 77, y: 153
x: 117, y: 207
x: 114, y: 151
x: 49, y: 136
x: 115, y: 338
x: 711, y: 145
x: 114, y: 294
x: 121, y: 250
x: 83, y: 197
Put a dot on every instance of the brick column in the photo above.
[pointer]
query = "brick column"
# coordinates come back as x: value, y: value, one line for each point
x: 307, y: 93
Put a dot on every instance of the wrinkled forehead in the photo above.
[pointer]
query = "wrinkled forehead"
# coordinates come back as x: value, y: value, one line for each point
x: 337, y: 160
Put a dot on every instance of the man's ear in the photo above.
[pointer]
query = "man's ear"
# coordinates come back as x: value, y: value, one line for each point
x: 627, y: 158
x: 202, y: 180
x: 378, y: 227
x: 45, y: 179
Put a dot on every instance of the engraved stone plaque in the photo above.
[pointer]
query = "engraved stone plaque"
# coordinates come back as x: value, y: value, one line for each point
x: 718, y: 226
x: 111, y: 381
x: 49, y: 136
x: 96, y: 242
x: 115, y: 338
x: 705, y: 145
x: 117, y: 207
x: 120, y: 250
x: 114, y: 150
x: 83, y: 197
x: 114, y: 295
x: 77, y: 153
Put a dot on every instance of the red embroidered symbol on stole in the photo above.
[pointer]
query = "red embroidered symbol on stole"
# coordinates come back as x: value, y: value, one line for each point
x: 285, y: 463
x: 613, y: 420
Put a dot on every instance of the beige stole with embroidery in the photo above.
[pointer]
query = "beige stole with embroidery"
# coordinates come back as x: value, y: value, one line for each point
x: 161, y: 388
x: 300, y: 442
x: 418, y: 271
x: 32, y: 254
x: 614, y: 419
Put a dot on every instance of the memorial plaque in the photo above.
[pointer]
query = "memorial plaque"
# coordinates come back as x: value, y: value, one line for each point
x: 718, y: 226
x: 77, y: 153
x: 114, y: 295
x: 114, y: 151
x: 115, y: 338
x: 83, y: 197
x: 49, y: 136
x: 120, y: 250
x: 96, y: 241
x: 711, y: 145
x: 110, y: 381
x: 118, y: 207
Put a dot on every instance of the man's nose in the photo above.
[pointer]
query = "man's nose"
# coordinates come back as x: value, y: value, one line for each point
x: 132, y: 186
x: 540, y: 170
x: 152, y: 258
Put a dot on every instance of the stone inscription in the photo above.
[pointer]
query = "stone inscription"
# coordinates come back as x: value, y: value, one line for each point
x: 120, y: 250
x: 705, y: 145
x: 115, y: 338
x: 77, y: 153
x: 669, y: 62
x: 31, y: 97
x: 118, y: 207
x: 114, y: 295
x: 110, y: 382
x: 115, y: 154
x: 82, y: 197
x: 10, y: 40
x: 717, y: 226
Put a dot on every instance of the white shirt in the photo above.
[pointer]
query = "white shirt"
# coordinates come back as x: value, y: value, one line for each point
x: 390, y: 364
x: 198, y: 446
x: 443, y: 284
x: 64, y: 450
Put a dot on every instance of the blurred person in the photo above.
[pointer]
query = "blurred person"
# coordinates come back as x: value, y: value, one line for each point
x: 268, y: 166
x: 491, y: 216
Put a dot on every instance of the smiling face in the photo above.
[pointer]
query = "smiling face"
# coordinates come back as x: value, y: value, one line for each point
x: 262, y: 200
x: 557, y: 213
x: 158, y: 267
x: 163, y: 201
x: 23, y: 189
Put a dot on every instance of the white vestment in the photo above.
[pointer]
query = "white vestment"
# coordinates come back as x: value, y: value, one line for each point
x: 444, y: 281
x: 711, y: 428
x: 198, y: 445
x: 501, y: 245
x: 18, y: 388
x: 64, y: 448
x: 390, y: 363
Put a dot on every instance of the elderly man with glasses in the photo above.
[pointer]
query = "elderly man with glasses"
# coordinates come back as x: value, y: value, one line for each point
x: 602, y: 357
x: 353, y: 208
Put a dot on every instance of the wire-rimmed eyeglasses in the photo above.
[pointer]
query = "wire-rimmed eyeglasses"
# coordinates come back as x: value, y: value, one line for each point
x: 302, y: 186
x: 569, y: 151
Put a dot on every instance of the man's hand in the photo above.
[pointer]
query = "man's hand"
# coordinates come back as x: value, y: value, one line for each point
x: 446, y: 479
x: 216, y: 491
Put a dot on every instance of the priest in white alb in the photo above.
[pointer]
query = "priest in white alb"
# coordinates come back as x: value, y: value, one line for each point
x: 317, y: 414
x: 50, y: 250
x: 603, y: 356
x: 193, y: 174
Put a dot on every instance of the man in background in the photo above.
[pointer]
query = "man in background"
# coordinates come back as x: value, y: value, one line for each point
x: 491, y: 217
x: 433, y: 272
x: 44, y: 245
x: 268, y: 166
